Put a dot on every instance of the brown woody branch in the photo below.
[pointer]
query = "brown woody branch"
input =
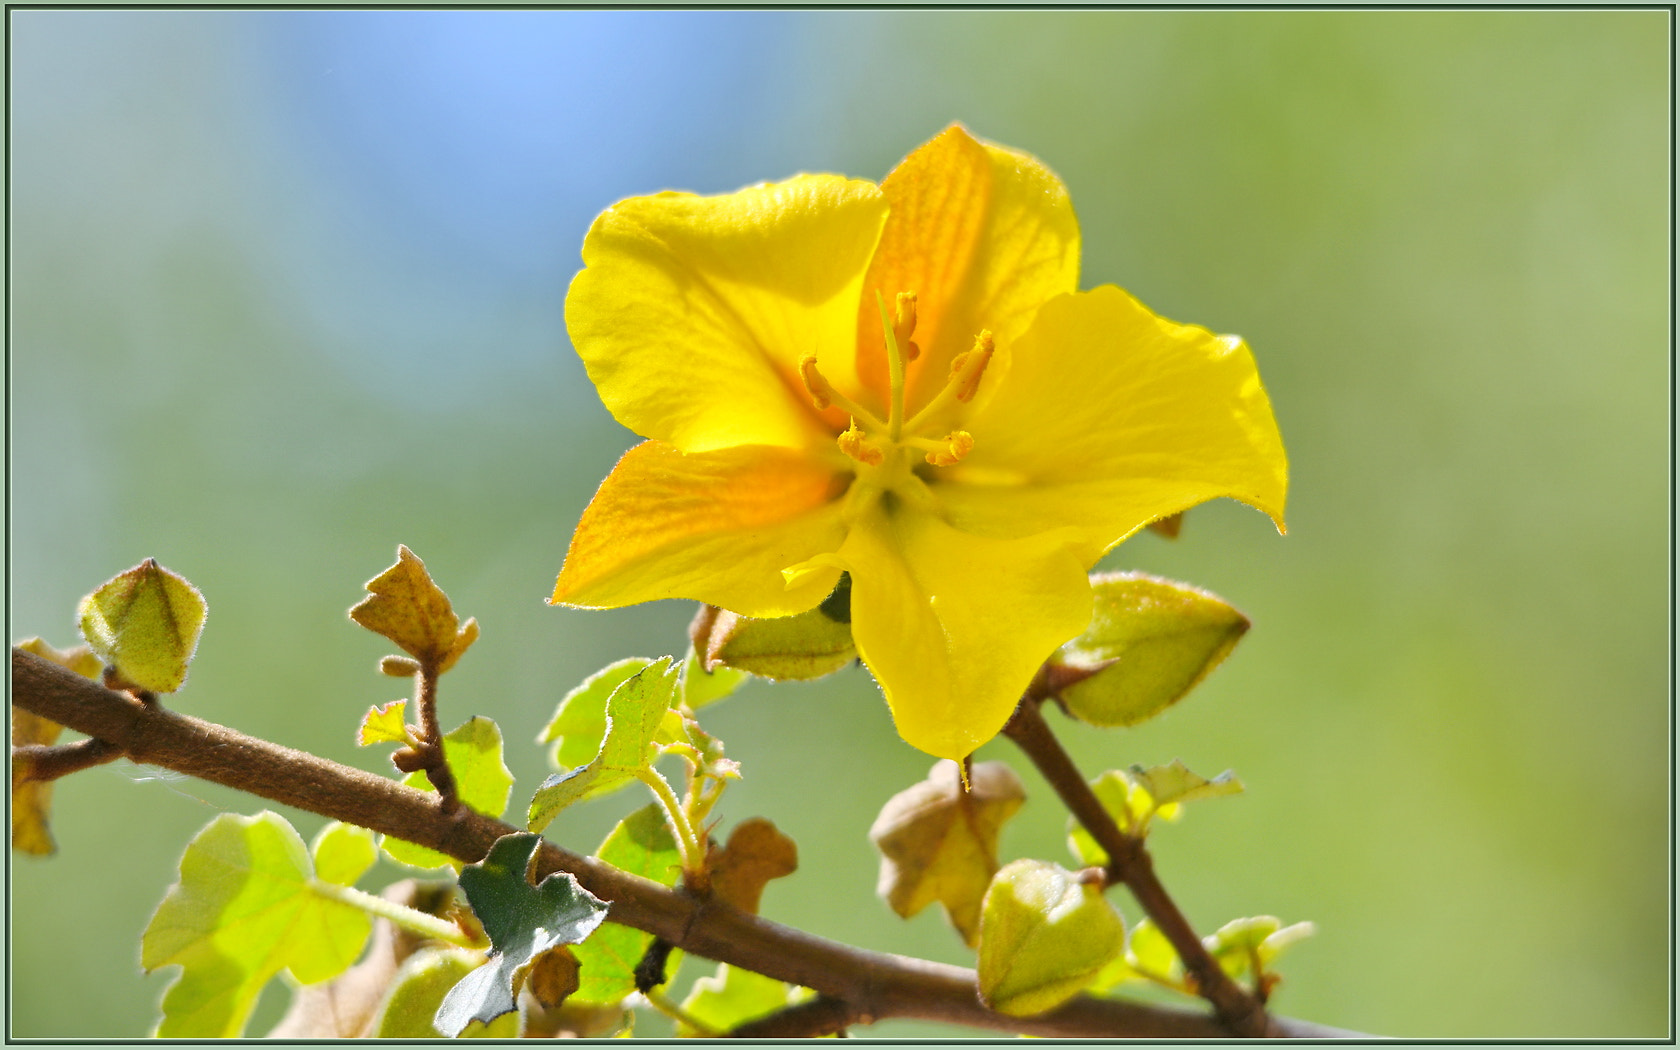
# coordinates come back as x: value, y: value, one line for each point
x: 1129, y: 863
x: 874, y: 985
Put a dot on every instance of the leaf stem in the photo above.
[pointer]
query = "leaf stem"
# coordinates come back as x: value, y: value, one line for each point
x: 688, y: 843
x: 49, y: 762
x: 661, y: 1002
x: 411, y: 919
x: 1130, y: 863
x: 437, y: 766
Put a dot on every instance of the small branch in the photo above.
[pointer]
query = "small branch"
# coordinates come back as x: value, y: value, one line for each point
x: 436, y: 765
x: 1129, y: 863
x: 808, y: 1020
x: 877, y: 984
x: 49, y: 762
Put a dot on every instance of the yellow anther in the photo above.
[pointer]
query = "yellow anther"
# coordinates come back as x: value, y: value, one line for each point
x: 854, y: 444
x: 904, y: 323
x: 958, y: 443
x: 967, y: 368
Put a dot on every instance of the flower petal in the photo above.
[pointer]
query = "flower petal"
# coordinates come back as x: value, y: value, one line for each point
x: 983, y: 235
x: 692, y: 313
x: 716, y: 527
x: 1111, y: 417
x: 954, y: 626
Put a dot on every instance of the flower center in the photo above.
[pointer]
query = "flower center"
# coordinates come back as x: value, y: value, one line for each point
x: 885, y: 450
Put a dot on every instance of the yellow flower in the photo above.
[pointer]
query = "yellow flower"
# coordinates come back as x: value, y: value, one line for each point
x: 901, y: 382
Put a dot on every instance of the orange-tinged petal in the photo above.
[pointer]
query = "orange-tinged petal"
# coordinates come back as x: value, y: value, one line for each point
x: 954, y: 626
x: 715, y: 527
x: 692, y: 313
x: 1111, y: 417
x: 983, y: 235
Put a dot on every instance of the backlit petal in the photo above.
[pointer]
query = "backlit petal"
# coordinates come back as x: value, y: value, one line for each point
x: 692, y: 313
x: 954, y: 626
x: 1111, y: 417
x: 716, y: 527
x: 983, y: 235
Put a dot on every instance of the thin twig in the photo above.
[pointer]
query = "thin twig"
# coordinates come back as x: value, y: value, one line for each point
x: 878, y: 985
x: 43, y: 762
x: 807, y: 1020
x: 431, y: 730
x: 1129, y: 863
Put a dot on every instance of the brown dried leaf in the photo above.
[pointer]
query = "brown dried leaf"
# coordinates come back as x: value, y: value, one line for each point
x: 939, y: 843
x: 405, y: 606
x: 32, y: 799
x: 552, y: 977
x: 756, y: 853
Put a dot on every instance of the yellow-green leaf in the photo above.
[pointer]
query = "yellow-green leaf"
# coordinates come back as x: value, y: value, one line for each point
x: 474, y: 753
x: 384, y: 725
x: 641, y: 844
x: 939, y: 843
x: 634, y: 713
x: 145, y: 623
x: 1044, y: 937
x: 1242, y: 944
x: 404, y: 605
x: 32, y: 799
x: 1173, y: 783
x: 1150, y: 641
x: 701, y: 687
x: 247, y: 906
x: 418, y: 988
x: 343, y: 853
x: 731, y: 998
x: 808, y: 645
x: 580, y: 721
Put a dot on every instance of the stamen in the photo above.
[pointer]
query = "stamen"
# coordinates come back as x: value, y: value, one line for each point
x: 823, y: 393
x: 958, y: 443
x: 895, y: 374
x: 854, y: 444
x: 967, y: 369
x: 904, y: 323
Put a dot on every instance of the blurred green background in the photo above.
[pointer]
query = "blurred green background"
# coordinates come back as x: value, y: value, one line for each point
x: 287, y: 290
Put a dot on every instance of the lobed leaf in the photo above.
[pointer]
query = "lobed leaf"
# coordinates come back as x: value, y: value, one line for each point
x: 384, y: 725
x: 1174, y: 784
x: 580, y: 721
x: 756, y: 853
x: 246, y: 907
x: 633, y: 716
x: 474, y: 753
x: 145, y: 623
x: 1149, y: 643
x: 521, y: 921
x: 1044, y: 937
x: 939, y: 843
x: 404, y: 605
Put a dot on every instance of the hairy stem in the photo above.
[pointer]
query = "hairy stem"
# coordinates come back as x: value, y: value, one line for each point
x: 45, y: 762
x: 436, y: 765
x: 877, y: 985
x: 1129, y: 863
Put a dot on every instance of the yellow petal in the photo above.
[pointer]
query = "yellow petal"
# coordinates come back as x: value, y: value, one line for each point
x: 716, y: 527
x: 983, y: 235
x: 692, y: 313
x: 1111, y: 417
x: 954, y: 626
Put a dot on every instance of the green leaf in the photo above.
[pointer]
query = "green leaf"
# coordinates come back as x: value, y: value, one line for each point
x: 145, y: 623
x: 1242, y: 943
x: 247, y: 906
x: 474, y: 753
x: 521, y: 921
x: 580, y: 721
x: 701, y: 687
x: 1149, y: 951
x: 731, y: 998
x: 1044, y: 936
x: 1149, y: 643
x: 939, y: 843
x: 641, y: 844
x: 343, y: 853
x: 418, y: 989
x: 1174, y: 784
x: 1127, y: 803
x: 634, y: 712
x: 808, y: 645
x: 404, y: 605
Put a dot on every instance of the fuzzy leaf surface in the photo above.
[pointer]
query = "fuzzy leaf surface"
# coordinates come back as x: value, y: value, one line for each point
x: 1044, y: 937
x: 809, y: 645
x: 939, y: 843
x: 756, y: 853
x: 580, y: 720
x: 521, y: 920
x: 474, y: 753
x: 245, y: 908
x: 634, y: 712
x: 383, y: 725
x: 1162, y: 638
x: 732, y: 997
x: 145, y: 622
x: 406, y: 606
